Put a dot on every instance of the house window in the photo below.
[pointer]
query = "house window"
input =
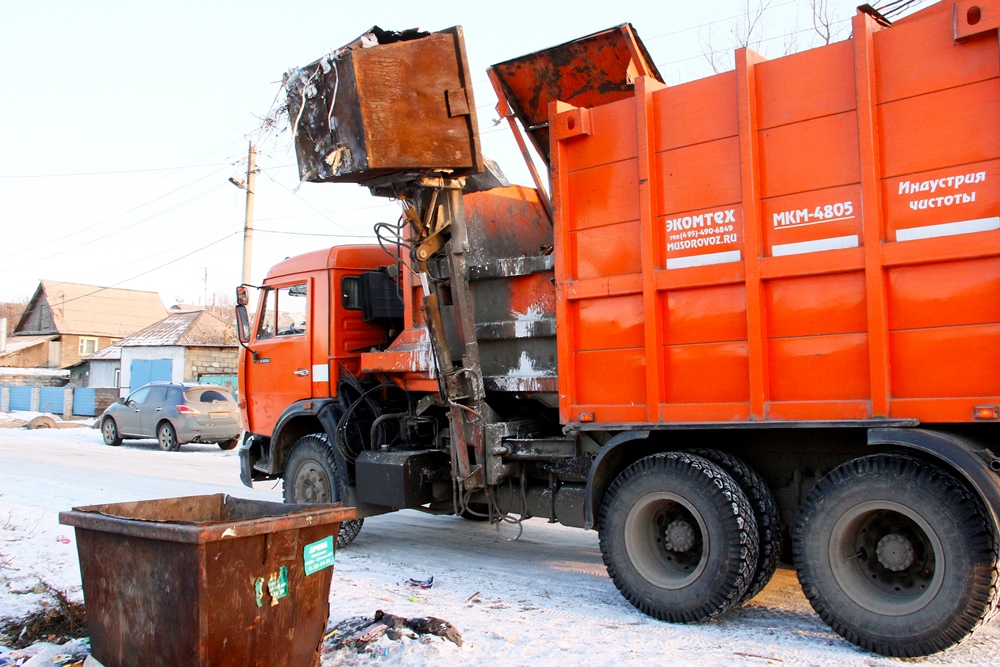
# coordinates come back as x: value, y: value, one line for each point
x: 87, y: 346
x: 118, y: 377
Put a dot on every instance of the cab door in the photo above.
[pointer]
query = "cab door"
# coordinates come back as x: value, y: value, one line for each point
x: 280, y: 362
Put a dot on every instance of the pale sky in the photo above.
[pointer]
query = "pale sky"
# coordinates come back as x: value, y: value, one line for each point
x: 123, y: 122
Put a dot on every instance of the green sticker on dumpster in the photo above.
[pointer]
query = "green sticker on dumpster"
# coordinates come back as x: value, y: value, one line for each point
x: 318, y: 555
x: 277, y: 585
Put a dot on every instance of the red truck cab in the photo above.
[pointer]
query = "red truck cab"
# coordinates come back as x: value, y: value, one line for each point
x: 308, y: 324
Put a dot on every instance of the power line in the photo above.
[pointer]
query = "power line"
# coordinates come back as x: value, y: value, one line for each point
x: 336, y: 236
x: 119, y: 215
x: 117, y: 231
x: 113, y: 173
x: 130, y: 192
x: 157, y: 268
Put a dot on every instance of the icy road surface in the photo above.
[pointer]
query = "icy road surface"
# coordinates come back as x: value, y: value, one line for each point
x: 542, y: 599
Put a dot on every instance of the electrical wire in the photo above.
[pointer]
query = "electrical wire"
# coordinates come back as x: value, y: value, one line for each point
x: 156, y: 268
x: 87, y: 228
x: 116, y: 231
x: 115, y: 173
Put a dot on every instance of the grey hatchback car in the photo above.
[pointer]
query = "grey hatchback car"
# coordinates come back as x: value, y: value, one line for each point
x: 174, y: 413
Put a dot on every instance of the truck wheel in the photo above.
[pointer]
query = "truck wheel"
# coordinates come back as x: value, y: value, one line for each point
x: 678, y: 537
x: 896, y: 556
x: 765, y: 513
x: 310, y: 478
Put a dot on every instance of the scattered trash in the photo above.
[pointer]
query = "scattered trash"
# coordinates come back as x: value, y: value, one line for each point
x: 54, y: 623
x: 74, y: 653
x: 416, y: 583
x: 62, y: 539
x: 361, y: 631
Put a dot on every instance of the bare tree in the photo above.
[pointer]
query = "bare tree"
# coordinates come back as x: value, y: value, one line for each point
x: 745, y: 31
x: 822, y: 20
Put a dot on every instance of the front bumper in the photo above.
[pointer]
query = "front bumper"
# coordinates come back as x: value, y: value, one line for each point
x: 250, y: 453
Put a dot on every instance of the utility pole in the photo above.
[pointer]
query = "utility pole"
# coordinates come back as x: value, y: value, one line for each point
x: 248, y: 218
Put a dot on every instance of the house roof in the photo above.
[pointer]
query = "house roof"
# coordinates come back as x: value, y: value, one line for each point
x: 18, y: 343
x: 88, y: 310
x: 189, y: 329
x: 109, y: 353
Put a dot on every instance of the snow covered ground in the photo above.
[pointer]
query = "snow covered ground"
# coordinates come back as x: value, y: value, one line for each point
x: 543, y: 598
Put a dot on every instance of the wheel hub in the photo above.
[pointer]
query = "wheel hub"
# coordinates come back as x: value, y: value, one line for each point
x: 678, y: 536
x: 895, y: 552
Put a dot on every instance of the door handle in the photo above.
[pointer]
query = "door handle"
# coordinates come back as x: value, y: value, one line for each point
x: 302, y: 372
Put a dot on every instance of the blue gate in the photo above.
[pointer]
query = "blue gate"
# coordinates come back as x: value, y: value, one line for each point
x: 52, y: 399
x: 85, y: 402
x: 143, y: 371
x: 20, y: 398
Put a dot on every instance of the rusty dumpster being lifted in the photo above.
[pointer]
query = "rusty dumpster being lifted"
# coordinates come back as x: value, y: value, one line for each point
x: 206, y: 580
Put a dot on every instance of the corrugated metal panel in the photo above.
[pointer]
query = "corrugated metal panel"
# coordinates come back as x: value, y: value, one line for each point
x: 52, y: 399
x: 84, y: 402
x: 20, y: 398
x: 143, y: 371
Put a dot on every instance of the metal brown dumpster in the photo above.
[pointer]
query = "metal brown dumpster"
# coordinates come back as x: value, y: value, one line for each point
x: 206, y: 580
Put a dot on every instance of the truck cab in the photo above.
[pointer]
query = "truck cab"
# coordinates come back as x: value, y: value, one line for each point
x: 308, y: 329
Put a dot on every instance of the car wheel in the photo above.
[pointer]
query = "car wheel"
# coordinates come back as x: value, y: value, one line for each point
x: 896, y: 556
x: 109, y: 429
x: 167, y: 437
x: 678, y: 537
x: 229, y: 444
x: 311, y: 477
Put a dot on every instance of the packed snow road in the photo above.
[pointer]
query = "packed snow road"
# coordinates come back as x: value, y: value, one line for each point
x: 543, y: 598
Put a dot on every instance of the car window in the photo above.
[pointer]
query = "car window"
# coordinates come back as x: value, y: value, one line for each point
x: 157, y: 395
x: 207, y: 396
x: 138, y: 396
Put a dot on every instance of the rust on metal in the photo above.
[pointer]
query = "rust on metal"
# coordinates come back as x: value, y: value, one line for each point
x: 585, y: 72
x: 187, y: 581
x: 388, y: 103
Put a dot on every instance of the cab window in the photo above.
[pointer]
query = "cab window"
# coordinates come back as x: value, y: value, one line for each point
x: 291, y: 310
x: 265, y: 316
x: 283, y: 312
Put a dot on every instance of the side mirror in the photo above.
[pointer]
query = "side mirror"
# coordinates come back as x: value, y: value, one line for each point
x: 121, y: 400
x: 243, y: 323
x: 242, y: 297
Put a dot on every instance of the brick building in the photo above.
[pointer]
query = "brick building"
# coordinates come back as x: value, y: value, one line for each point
x: 191, y: 346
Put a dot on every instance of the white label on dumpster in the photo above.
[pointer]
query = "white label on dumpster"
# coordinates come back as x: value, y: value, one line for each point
x: 318, y: 555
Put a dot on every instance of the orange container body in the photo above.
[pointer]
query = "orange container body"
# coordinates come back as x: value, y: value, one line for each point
x: 815, y: 237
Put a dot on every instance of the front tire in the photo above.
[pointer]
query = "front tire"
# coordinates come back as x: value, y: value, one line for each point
x: 896, y: 556
x: 166, y: 436
x: 678, y: 537
x: 109, y: 430
x: 311, y: 477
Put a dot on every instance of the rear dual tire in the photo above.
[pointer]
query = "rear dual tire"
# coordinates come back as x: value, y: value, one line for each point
x: 896, y: 556
x: 678, y: 537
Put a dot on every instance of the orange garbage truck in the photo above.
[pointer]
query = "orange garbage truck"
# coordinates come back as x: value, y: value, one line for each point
x: 750, y: 315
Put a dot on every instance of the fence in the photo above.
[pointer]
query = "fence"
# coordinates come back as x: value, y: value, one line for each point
x: 65, y: 401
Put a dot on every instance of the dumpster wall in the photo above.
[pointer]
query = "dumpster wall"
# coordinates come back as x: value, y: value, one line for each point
x: 207, y: 581
x: 810, y: 238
